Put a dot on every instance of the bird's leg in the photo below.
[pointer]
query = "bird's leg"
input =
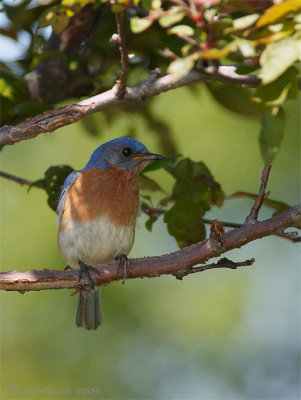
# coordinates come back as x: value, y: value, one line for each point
x: 124, y: 263
x: 85, y: 281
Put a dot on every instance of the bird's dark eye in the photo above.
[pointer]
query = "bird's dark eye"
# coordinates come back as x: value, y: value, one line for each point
x: 127, y: 151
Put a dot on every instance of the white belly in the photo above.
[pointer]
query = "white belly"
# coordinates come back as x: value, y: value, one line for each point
x: 94, y: 242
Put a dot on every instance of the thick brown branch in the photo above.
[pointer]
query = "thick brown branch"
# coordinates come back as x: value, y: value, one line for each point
x: 175, y: 263
x: 53, y: 119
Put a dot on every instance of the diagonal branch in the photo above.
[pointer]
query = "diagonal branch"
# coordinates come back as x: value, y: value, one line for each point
x: 154, y: 85
x: 176, y: 263
x: 17, y: 179
x: 252, y: 217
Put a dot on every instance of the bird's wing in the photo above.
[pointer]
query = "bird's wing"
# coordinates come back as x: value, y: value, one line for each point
x: 71, y: 178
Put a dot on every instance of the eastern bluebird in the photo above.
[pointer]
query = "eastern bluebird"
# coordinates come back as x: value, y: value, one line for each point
x: 97, y: 211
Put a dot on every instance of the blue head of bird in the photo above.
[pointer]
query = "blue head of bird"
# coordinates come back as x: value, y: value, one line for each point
x: 123, y: 153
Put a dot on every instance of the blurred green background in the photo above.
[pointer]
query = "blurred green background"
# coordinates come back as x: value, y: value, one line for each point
x: 220, y: 334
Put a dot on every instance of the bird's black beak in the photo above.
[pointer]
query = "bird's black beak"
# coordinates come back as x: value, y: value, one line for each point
x: 147, y: 157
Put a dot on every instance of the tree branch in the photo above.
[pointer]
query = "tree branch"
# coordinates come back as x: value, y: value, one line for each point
x: 154, y: 85
x: 121, y: 83
x: 14, y: 178
x: 176, y: 263
x: 252, y: 217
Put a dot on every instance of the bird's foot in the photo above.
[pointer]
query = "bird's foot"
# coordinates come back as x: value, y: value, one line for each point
x: 124, y: 263
x: 85, y: 281
x: 67, y: 268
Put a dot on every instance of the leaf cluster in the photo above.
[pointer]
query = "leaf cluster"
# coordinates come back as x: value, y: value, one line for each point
x: 79, y: 58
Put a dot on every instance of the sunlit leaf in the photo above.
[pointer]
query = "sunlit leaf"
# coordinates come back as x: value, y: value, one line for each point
x: 277, y: 57
x: 245, y: 22
x: 172, y: 16
x: 277, y: 92
x: 246, y: 48
x: 183, y: 30
x: 156, y: 4
x: 140, y: 24
x: 220, y: 53
x: 271, y: 135
x: 57, y: 17
x: 180, y: 67
x: 277, y: 11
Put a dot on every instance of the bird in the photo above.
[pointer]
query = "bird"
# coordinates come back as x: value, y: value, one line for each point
x: 97, y: 211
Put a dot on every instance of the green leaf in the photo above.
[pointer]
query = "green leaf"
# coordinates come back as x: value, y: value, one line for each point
x: 183, y: 30
x: 58, y: 17
x: 140, y: 24
x: 13, y: 90
x: 245, y: 22
x: 160, y: 164
x: 145, y: 183
x: 246, y: 48
x: 53, y: 182
x: 184, y: 222
x: 149, y: 223
x: 91, y: 124
x: 194, y: 181
x: 277, y: 57
x: 180, y: 67
x: 278, y: 11
x: 216, y: 53
x: 172, y: 16
x: 271, y: 135
x: 12, y: 86
x: 40, y: 183
x: 233, y: 97
x: 278, y: 91
x: 156, y: 4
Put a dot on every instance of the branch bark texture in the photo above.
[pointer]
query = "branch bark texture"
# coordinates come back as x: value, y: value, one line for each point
x: 154, y: 85
x: 178, y: 263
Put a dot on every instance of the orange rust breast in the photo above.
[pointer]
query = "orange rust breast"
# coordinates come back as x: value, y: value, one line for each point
x: 112, y: 193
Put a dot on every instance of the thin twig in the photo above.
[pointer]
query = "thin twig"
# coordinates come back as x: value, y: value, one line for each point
x: 252, y: 217
x: 121, y: 83
x: 222, y: 263
x: 21, y: 181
